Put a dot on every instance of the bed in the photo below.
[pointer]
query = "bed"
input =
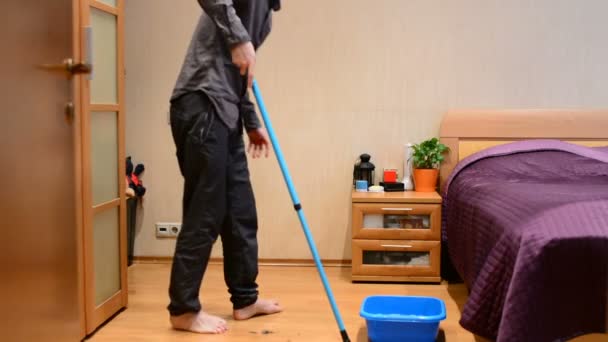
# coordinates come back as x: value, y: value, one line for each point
x: 525, y: 221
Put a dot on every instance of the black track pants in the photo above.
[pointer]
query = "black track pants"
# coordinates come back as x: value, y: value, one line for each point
x: 218, y: 200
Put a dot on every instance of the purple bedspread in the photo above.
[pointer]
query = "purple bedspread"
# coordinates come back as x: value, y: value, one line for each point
x: 526, y: 225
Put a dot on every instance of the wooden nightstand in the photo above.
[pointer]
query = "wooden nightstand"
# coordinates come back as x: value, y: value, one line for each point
x: 396, y: 236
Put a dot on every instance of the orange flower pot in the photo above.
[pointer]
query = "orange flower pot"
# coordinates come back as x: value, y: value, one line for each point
x: 425, y: 180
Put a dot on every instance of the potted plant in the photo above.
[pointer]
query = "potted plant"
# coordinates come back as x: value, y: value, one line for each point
x: 427, y: 156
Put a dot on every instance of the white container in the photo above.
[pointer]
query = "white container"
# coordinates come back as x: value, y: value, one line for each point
x: 408, y: 183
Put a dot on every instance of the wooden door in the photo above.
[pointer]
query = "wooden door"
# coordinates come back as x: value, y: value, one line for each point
x: 103, y: 171
x: 41, y: 287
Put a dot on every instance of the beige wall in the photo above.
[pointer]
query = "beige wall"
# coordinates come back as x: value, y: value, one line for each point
x: 341, y: 77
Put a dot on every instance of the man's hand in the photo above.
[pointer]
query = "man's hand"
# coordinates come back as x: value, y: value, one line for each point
x: 243, y: 56
x: 258, y: 142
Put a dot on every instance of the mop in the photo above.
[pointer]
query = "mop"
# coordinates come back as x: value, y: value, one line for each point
x: 298, y: 207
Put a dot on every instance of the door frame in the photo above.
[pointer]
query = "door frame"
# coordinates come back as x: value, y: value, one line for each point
x: 96, y: 315
x: 77, y: 129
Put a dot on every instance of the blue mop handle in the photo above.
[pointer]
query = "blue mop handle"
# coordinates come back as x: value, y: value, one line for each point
x: 298, y: 207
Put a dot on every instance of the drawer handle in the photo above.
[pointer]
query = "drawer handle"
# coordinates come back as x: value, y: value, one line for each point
x: 397, y: 209
x: 397, y: 246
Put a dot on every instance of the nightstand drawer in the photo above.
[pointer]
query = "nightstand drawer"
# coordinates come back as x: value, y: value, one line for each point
x: 396, y: 258
x: 395, y: 221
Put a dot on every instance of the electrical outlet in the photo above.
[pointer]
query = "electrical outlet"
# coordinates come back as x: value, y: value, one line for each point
x: 167, y: 230
x: 162, y: 231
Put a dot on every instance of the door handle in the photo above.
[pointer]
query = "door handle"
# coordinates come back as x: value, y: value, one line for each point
x: 69, y: 67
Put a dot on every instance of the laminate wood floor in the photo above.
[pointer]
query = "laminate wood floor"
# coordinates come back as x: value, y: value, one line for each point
x: 307, y: 316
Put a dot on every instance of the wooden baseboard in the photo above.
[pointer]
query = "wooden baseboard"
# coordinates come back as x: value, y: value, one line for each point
x: 261, y: 262
x: 152, y: 259
x: 399, y: 279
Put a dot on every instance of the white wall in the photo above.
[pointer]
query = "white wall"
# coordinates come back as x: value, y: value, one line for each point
x: 341, y: 77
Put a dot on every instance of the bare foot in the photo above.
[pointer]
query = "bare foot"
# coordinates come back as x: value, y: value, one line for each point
x: 200, y: 322
x: 261, y: 307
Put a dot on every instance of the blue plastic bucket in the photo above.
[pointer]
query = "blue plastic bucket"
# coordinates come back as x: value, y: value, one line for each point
x: 402, y: 318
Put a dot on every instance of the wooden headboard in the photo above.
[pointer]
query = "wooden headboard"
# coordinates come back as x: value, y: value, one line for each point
x: 468, y: 131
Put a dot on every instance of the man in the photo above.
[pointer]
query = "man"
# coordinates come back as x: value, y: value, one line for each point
x: 209, y: 108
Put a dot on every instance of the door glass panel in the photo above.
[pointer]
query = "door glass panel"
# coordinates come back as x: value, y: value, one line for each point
x: 396, y: 258
x: 104, y: 86
x: 104, y: 156
x: 109, y: 2
x: 393, y: 221
x: 106, y: 254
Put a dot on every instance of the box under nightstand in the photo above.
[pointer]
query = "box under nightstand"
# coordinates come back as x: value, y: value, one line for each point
x: 396, y: 236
